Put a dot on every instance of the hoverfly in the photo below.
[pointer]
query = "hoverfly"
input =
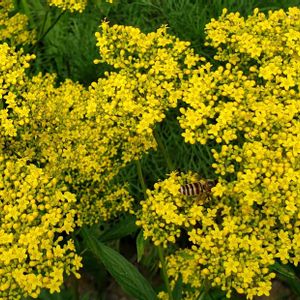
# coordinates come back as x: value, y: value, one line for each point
x: 200, y: 188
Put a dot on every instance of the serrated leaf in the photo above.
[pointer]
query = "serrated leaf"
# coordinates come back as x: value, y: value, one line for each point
x: 127, y: 276
x: 123, y: 228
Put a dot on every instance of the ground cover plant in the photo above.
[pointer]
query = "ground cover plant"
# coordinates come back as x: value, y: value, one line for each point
x: 149, y: 149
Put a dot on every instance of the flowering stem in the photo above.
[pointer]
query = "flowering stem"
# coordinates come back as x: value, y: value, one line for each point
x: 164, y: 271
x: 74, y: 289
x: 159, y: 248
x: 163, y: 150
x: 141, y: 177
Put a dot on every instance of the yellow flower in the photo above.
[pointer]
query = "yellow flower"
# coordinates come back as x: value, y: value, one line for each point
x: 247, y: 111
x: 13, y: 26
x: 23, y: 263
x: 72, y: 5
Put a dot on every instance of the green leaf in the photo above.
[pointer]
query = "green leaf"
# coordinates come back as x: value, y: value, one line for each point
x: 62, y: 295
x: 140, y: 245
x: 218, y: 294
x: 283, y: 270
x: 125, y: 227
x: 201, y: 296
x: 177, y: 291
x: 205, y: 296
x: 127, y: 276
x: 286, y: 274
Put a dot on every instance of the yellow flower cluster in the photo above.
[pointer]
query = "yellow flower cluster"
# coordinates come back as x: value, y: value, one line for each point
x: 264, y: 38
x: 150, y: 68
x: 248, y: 110
x: 122, y: 108
x: 13, y: 27
x: 261, y: 66
x: 165, y: 211
x: 72, y: 5
x: 55, y: 128
x: 36, y: 210
x: 12, y: 78
x: 230, y: 246
x: 36, y: 214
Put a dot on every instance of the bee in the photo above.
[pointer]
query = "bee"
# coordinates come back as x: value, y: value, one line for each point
x: 199, y: 188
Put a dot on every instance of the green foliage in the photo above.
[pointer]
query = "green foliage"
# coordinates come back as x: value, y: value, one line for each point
x: 140, y: 245
x: 287, y: 275
x: 177, y: 291
x: 128, y: 277
x: 124, y: 227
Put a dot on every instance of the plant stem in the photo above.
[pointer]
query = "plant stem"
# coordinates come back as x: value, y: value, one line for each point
x: 26, y: 9
x: 164, y: 271
x: 75, y: 287
x: 159, y: 248
x: 52, y: 25
x: 48, y: 30
x: 163, y: 150
x: 43, y: 25
x: 141, y: 177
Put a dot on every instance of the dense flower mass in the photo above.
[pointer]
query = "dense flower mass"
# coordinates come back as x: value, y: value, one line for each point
x: 62, y: 147
x: 36, y: 213
x: 165, y: 212
x: 12, y: 73
x: 70, y: 143
x: 260, y: 72
x: 76, y: 140
x: 249, y: 108
x: 147, y: 83
x: 13, y: 27
x: 72, y: 5
x: 50, y: 132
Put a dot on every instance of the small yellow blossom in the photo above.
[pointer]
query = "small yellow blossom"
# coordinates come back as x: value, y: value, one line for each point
x: 13, y: 26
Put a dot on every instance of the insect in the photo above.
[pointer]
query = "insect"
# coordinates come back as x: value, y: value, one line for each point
x: 199, y: 188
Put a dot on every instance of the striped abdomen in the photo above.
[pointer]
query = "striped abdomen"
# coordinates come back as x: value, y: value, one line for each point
x: 197, y: 188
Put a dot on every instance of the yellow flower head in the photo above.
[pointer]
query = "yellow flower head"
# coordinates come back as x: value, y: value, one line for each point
x: 13, y: 27
x: 72, y: 5
x: 37, y: 214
